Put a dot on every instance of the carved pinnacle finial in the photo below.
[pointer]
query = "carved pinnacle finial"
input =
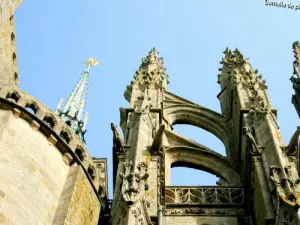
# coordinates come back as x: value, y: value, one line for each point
x: 151, y: 73
x: 233, y: 58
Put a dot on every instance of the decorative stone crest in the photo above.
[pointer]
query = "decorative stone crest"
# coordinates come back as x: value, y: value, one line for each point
x: 133, y: 186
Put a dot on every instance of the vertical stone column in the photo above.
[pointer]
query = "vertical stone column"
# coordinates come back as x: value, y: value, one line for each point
x: 8, y: 55
x: 168, y: 171
x: 257, y: 134
x: 139, y: 184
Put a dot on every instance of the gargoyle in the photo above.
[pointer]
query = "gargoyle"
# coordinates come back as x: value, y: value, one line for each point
x: 118, y: 143
x: 157, y: 141
x: 134, y: 177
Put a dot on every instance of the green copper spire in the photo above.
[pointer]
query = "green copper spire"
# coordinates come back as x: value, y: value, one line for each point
x: 73, y: 109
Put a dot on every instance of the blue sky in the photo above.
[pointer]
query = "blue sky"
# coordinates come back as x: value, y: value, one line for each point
x: 55, y: 37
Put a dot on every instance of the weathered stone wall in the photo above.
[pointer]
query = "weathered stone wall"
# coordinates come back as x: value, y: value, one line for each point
x: 32, y: 114
x: 78, y: 203
x: 8, y: 65
x: 152, y: 182
x: 32, y: 171
x: 194, y: 220
x: 262, y: 204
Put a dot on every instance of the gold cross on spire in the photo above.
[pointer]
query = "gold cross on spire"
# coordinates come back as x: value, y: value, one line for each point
x: 91, y: 62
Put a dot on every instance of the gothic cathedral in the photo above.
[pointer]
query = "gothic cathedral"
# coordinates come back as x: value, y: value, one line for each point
x: 48, y: 177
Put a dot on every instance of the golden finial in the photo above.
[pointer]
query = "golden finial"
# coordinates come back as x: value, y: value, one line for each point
x: 91, y: 62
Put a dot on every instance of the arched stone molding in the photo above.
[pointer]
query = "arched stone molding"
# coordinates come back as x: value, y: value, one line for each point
x: 220, y: 126
x: 47, y: 122
x: 203, y: 159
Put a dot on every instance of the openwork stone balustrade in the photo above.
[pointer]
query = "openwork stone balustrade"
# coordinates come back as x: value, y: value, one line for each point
x: 204, y: 195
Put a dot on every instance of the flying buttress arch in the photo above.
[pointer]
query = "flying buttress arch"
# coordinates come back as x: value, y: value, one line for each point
x: 202, y: 159
x: 213, y: 122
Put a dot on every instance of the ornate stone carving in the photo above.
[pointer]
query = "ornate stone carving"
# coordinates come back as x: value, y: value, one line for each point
x: 140, y: 214
x: 152, y: 70
x: 255, y: 148
x: 203, y: 211
x: 259, y: 106
x: 296, y: 79
x: 173, y: 211
x: 287, y: 189
x: 142, y: 112
x: 232, y: 58
x: 143, y: 104
x: 239, y: 71
x: 133, y: 186
x: 205, y: 195
x: 161, y: 178
x: 101, y: 170
x: 296, y: 63
x: 151, y: 73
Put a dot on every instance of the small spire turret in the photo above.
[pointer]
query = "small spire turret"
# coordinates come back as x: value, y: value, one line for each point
x: 73, y: 109
x: 151, y: 73
x: 152, y: 70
